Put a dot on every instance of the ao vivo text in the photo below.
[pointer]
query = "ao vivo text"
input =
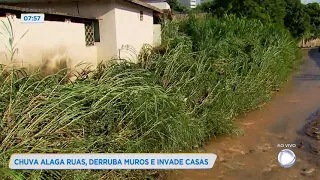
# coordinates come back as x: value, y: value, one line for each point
x: 287, y: 145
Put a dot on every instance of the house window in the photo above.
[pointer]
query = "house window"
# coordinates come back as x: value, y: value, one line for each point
x: 92, y: 33
x: 141, y: 15
x: 89, y: 30
x: 96, y: 31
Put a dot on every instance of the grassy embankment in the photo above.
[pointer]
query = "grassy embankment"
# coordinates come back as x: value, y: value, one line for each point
x: 206, y: 72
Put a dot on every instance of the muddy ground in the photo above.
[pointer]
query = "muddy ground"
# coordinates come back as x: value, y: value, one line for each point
x: 311, y: 130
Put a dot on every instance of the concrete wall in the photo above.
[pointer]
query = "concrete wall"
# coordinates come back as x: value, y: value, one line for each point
x: 309, y: 43
x: 132, y: 33
x: 157, y: 34
x: 49, y: 44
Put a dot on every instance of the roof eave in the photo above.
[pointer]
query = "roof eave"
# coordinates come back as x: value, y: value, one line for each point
x: 24, y: 10
x: 146, y: 5
x: 137, y: 2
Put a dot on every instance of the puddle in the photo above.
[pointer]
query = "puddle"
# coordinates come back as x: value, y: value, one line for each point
x: 284, y: 120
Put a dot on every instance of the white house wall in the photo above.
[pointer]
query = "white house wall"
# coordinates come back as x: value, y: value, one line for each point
x: 48, y: 44
x: 131, y: 32
x: 156, y: 34
x: 121, y: 30
x: 104, y: 11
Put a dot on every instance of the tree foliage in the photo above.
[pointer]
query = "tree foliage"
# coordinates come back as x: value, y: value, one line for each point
x: 205, y: 7
x: 177, y: 7
x: 297, y: 20
x: 313, y: 10
x: 301, y: 20
x: 264, y: 10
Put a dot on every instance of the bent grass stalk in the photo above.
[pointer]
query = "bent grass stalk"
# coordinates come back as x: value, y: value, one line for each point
x: 10, y: 34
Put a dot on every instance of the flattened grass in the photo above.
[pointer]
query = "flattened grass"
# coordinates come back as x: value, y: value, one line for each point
x: 121, y: 110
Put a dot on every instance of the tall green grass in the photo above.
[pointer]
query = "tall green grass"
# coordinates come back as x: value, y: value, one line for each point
x: 119, y: 110
x: 222, y: 67
x: 206, y: 72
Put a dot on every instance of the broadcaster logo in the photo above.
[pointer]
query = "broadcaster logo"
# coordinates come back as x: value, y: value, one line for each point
x: 286, y: 158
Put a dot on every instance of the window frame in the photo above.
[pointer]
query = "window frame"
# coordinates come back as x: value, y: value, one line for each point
x: 141, y: 15
x: 92, y: 29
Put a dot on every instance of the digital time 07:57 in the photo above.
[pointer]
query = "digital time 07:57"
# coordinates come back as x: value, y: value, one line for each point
x: 32, y: 18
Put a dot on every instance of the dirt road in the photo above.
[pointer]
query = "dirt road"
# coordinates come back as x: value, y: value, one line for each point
x: 254, y: 155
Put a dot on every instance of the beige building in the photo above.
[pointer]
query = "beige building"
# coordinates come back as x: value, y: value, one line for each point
x: 79, y: 32
x: 189, y: 3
